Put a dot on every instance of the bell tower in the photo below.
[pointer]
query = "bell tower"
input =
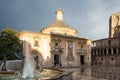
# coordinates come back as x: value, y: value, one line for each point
x: 59, y: 14
x: 114, y: 25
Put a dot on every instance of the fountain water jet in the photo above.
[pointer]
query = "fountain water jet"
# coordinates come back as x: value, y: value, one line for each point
x: 28, y: 70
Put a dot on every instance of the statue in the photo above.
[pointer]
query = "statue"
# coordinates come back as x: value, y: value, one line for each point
x: 3, y: 65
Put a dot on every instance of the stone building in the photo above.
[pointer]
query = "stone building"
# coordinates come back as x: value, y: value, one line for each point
x: 106, y: 51
x: 57, y: 44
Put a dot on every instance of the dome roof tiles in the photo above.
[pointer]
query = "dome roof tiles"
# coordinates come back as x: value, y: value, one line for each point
x: 60, y: 24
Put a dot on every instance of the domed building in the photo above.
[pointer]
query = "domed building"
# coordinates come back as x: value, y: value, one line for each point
x: 59, y: 26
x: 57, y: 44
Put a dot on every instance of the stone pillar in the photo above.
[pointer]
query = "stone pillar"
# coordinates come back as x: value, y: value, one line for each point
x: 103, y: 51
x: 99, y: 52
x: 112, y: 51
x: 106, y: 51
x: 107, y: 60
x: 117, y: 51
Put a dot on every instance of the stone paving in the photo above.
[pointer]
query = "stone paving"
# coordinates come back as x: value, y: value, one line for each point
x: 96, y: 73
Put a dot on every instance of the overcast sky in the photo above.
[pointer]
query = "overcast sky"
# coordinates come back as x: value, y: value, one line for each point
x: 89, y: 17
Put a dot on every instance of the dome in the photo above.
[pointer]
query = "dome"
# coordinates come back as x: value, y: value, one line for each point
x: 59, y: 26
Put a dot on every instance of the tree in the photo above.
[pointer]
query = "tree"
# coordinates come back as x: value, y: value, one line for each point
x: 10, y: 45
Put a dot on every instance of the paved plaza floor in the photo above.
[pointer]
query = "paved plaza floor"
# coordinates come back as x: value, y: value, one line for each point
x: 96, y: 73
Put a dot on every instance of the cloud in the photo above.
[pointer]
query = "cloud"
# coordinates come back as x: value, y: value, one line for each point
x: 89, y: 17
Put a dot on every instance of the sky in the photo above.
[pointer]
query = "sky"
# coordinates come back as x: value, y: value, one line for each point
x: 89, y: 17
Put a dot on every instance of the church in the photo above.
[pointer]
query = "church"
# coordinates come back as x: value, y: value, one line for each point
x: 106, y: 51
x: 57, y: 44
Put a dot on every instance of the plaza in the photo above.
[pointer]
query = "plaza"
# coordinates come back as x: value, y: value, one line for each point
x: 56, y: 52
x: 96, y: 73
x: 57, y: 44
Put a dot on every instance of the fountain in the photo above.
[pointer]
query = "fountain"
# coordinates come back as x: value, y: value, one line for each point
x: 30, y: 69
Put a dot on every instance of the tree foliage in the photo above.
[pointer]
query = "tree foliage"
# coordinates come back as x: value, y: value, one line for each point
x: 10, y: 44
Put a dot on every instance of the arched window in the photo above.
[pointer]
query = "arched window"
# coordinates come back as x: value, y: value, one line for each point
x: 102, y: 59
x: 114, y: 51
x: 104, y: 51
x: 95, y: 52
x: 70, y: 45
x: 36, y: 43
x: 109, y: 51
x: 119, y: 50
x: 112, y: 58
x: 56, y: 44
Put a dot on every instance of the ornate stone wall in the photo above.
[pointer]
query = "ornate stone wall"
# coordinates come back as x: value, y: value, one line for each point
x: 14, y: 65
x: 106, y: 52
x: 74, y: 44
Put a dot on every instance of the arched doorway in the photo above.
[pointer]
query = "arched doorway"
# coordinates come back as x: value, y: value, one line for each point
x: 82, y: 59
x: 37, y: 58
x: 56, y: 59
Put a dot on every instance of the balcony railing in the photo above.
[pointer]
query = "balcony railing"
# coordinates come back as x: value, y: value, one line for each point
x: 82, y: 51
x: 57, y: 50
x: 107, y: 42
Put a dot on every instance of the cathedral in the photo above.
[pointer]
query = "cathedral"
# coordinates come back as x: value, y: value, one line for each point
x: 106, y: 52
x: 57, y: 44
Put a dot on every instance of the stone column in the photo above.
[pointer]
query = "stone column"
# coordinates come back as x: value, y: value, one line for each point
x: 99, y: 52
x: 117, y: 51
x: 107, y: 59
x: 112, y: 51
x: 106, y: 51
x: 103, y: 51
x: 117, y: 57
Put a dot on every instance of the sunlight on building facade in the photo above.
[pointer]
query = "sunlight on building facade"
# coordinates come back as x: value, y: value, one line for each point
x: 58, y: 44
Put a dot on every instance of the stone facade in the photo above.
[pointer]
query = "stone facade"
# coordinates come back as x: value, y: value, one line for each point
x: 57, y: 44
x: 14, y: 65
x: 106, y: 52
x: 69, y: 49
x: 114, y: 23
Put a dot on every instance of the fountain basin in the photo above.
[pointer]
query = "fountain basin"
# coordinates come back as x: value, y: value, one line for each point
x: 7, y: 72
x: 44, y: 74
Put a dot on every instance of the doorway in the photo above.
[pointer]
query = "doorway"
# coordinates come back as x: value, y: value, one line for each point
x: 82, y: 61
x: 56, y: 59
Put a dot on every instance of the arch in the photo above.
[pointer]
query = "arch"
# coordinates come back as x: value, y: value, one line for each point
x: 101, y: 61
x: 37, y: 53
